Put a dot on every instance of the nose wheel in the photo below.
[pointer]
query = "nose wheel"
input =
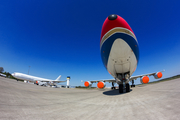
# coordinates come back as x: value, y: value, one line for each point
x: 127, y: 87
x: 123, y: 85
x: 120, y: 88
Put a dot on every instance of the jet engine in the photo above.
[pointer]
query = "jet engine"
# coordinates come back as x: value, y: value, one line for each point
x: 87, y: 84
x: 144, y: 79
x: 101, y: 85
x: 158, y: 75
x: 37, y: 82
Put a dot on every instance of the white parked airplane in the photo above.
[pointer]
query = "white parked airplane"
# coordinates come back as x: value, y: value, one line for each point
x: 3, y: 75
x: 36, y: 80
x: 120, y: 54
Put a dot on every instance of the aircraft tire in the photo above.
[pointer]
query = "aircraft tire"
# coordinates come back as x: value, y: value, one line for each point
x: 120, y: 88
x: 127, y: 87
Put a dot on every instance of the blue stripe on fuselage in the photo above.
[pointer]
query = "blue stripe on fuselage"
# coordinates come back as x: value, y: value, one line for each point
x: 106, y: 46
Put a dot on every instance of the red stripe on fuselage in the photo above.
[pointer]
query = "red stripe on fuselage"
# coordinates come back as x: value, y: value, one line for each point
x: 110, y: 24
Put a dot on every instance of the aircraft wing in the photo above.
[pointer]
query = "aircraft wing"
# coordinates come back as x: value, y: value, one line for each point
x: 107, y: 80
x: 55, y: 81
x: 58, y: 81
x: 139, y: 76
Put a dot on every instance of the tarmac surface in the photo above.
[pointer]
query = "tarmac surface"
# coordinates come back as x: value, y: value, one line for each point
x: 23, y: 101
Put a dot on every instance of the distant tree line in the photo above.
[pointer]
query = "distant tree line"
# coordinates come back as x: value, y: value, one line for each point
x: 1, y: 69
x: 8, y: 75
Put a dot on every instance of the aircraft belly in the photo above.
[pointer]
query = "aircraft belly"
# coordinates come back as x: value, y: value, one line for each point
x: 121, y: 58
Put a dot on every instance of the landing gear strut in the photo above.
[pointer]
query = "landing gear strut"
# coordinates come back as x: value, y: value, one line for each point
x: 123, y: 82
x: 113, y: 86
x: 133, y: 85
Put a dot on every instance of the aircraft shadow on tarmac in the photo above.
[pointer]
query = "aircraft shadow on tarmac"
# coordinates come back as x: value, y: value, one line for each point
x: 114, y: 92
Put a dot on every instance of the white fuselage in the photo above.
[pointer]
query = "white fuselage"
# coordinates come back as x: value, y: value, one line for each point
x: 119, y: 52
x: 28, y: 77
x: 121, y: 58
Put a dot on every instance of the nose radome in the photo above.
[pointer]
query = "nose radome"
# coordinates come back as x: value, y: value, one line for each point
x: 112, y: 17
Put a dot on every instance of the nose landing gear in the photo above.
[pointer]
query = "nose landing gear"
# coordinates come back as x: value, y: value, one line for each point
x: 123, y: 85
x: 127, y: 87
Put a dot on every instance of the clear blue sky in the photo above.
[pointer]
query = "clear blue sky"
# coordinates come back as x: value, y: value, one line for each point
x: 63, y: 37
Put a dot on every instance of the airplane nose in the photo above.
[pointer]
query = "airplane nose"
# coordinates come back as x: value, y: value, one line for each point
x: 112, y: 17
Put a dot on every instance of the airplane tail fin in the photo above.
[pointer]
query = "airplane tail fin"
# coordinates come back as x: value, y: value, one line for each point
x: 58, y: 78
